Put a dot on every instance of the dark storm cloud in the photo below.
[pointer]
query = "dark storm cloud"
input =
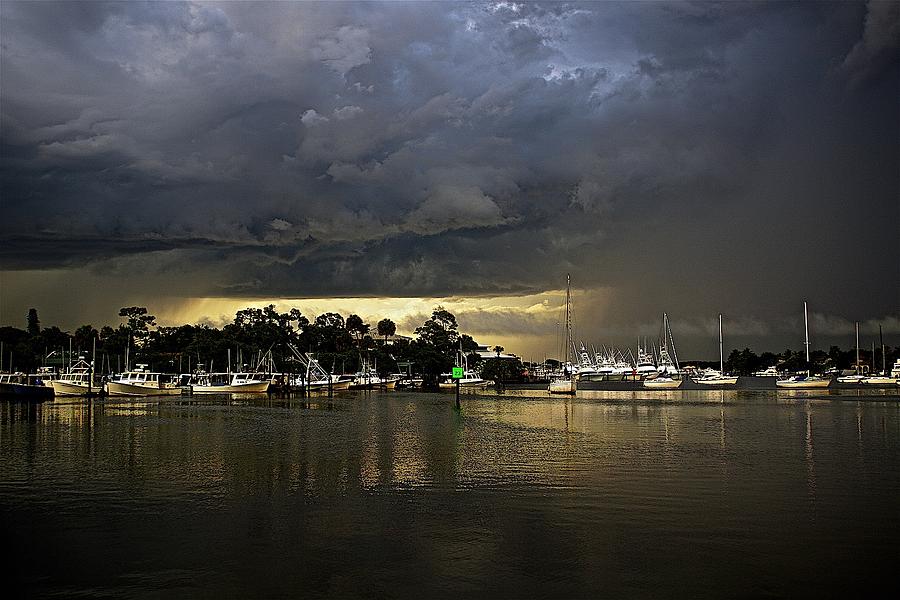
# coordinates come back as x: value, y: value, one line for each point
x: 295, y: 149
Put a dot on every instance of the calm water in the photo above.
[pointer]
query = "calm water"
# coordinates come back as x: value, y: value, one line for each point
x: 611, y: 494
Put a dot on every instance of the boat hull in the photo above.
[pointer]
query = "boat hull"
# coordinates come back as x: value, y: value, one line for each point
x: 879, y: 381
x: 803, y: 383
x: 717, y: 381
x: 449, y: 385
x: 851, y: 380
x: 655, y: 384
x: 562, y: 386
x: 322, y: 386
x: 21, y: 391
x: 257, y: 387
x: 115, y: 388
x: 385, y: 384
x: 68, y: 388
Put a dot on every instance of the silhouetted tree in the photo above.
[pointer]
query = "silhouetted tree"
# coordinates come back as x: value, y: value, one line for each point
x: 386, y: 328
x: 34, y: 324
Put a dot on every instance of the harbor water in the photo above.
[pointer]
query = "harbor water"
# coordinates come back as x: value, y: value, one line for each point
x: 682, y: 494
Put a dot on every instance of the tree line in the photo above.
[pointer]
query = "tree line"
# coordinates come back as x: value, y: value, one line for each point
x: 746, y: 361
x: 340, y: 344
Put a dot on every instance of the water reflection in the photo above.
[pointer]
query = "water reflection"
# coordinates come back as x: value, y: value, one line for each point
x: 517, y: 494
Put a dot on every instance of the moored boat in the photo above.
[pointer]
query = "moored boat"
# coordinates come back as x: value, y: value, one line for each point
x: 20, y: 386
x: 142, y: 383
x: 663, y: 382
x: 711, y: 377
x: 807, y: 380
x: 566, y: 382
x: 76, y: 381
x: 228, y: 383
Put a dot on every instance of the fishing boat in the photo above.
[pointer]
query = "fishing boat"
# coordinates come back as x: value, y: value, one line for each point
x: 565, y: 383
x: 713, y: 377
x: 807, y: 380
x: 317, y: 379
x: 644, y: 366
x: 470, y: 378
x: 228, y: 383
x: 140, y: 382
x: 76, y: 381
x: 20, y: 386
x: 367, y: 378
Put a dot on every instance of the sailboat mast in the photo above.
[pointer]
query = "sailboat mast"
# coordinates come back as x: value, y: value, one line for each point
x: 883, y: 364
x: 856, y: 369
x: 806, y: 333
x: 721, y: 355
x: 568, y: 319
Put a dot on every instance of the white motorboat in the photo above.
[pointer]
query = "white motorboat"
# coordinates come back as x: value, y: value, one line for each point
x: 713, y: 377
x: 75, y: 382
x: 771, y: 371
x: 470, y: 379
x: 565, y: 383
x: 807, y: 380
x: 142, y: 383
x: 662, y: 382
x: 851, y: 379
x: 228, y: 383
x: 644, y: 365
x: 368, y: 379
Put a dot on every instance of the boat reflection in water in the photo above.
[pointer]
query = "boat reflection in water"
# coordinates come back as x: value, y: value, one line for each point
x: 519, y: 494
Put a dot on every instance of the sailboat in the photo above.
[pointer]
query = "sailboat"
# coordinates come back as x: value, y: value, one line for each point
x: 882, y: 378
x: 565, y: 384
x: 804, y: 381
x: 857, y: 376
x: 713, y: 377
x: 669, y: 371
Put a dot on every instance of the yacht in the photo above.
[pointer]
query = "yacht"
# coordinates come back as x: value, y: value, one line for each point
x: 644, y: 366
x: 662, y: 382
x: 768, y: 372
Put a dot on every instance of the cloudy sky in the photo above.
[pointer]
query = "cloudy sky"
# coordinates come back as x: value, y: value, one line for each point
x: 693, y: 158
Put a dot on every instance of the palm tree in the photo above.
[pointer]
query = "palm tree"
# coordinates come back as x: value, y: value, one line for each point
x: 386, y: 328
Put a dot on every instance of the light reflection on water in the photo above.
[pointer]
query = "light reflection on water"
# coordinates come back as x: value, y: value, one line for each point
x: 675, y: 493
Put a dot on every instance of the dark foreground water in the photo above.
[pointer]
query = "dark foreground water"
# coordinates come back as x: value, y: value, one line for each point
x: 397, y: 495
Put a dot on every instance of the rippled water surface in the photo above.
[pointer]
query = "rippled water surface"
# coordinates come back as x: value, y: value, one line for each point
x: 610, y: 494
